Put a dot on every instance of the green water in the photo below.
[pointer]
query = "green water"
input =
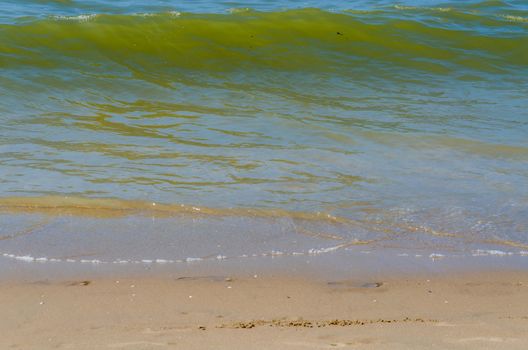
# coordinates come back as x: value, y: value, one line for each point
x: 409, y: 118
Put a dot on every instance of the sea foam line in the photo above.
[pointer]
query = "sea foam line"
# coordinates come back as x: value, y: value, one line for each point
x: 219, y: 257
x: 274, y: 253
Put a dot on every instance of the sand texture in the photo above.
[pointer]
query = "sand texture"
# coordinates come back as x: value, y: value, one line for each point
x: 472, y: 311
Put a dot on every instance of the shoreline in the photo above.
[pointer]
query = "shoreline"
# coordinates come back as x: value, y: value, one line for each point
x: 455, y: 311
x: 388, y: 260
x: 344, y: 264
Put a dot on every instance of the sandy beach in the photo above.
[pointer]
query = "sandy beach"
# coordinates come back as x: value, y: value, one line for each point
x: 456, y: 311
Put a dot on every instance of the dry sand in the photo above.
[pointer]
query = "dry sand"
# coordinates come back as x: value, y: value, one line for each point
x: 472, y: 311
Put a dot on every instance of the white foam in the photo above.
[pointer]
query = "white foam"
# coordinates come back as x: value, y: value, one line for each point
x: 435, y: 256
x: 235, y: 10
x: 25, y: 258
x: 220, y: 257
x: 163, y: 261
x: 150, y: 14
x: 439, y: 9
x: 121, y: 261
x: 146, y: 14
x: 193, y: 259
x: 401, y: 7
x: 517, y: 19
x: 79, y: 18
x: 481, y: 252
x: 94, y: 261
x: 323, y: 250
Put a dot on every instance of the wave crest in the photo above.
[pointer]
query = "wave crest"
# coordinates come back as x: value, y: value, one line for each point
x: 296, y: 40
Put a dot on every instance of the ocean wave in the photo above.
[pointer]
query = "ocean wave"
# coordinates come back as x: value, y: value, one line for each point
x: 296, y: 40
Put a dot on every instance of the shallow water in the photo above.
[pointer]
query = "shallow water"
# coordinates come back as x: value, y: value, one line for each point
x: 406, y: 121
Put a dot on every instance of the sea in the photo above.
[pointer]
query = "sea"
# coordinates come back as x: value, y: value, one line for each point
x: 164, y: 132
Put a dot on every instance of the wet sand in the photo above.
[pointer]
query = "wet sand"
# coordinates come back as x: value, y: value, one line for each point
x: 451, y: 311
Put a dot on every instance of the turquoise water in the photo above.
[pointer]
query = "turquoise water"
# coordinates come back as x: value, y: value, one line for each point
x: 408, y: 117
